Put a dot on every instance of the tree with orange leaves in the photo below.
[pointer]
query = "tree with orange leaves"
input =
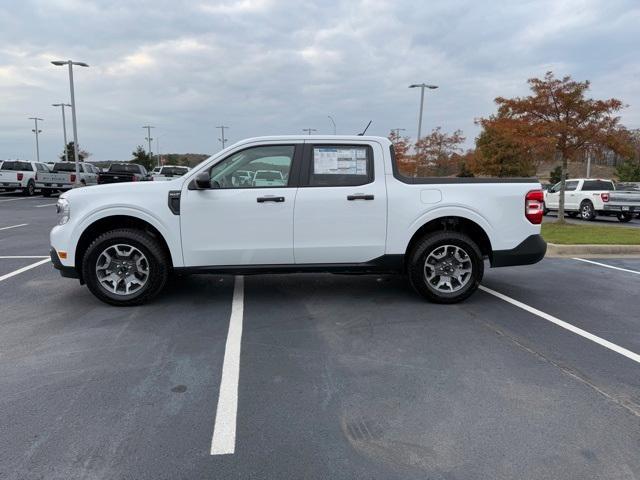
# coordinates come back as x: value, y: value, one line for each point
x: 435, y: 153
x: 559, y: 116
x: 401, y: 146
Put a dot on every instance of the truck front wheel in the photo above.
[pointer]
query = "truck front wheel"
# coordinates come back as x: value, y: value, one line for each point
x: 445, y: 267
x: 125, y: 267
x: 624, y: 217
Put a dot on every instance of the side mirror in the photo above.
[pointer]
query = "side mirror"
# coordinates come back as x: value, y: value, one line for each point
x: 201, y: 182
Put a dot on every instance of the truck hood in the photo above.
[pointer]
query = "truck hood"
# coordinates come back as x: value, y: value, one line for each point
x: 126, y: 189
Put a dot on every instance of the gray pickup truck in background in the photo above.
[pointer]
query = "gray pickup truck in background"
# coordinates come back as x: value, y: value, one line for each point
x: 63, y: 177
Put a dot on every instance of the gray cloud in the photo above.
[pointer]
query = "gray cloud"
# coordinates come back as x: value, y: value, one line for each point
x: 268, y: 66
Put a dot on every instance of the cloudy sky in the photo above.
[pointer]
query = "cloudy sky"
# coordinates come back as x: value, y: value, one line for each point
x: 267, y: 67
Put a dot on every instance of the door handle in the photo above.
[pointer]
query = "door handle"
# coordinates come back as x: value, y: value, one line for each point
x: 270, y: 199
x: 359, y: 196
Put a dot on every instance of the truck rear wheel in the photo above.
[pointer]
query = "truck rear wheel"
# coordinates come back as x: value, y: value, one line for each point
x: 624, y: 217
x: 445, y: 267
x: 30, y: 189
x: 587, y: 211
x: 125, y: 267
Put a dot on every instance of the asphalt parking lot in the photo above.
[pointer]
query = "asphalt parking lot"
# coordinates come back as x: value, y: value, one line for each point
x: 317, y: 376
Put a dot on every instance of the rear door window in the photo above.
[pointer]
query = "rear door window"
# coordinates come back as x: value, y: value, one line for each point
x: 339, y: 165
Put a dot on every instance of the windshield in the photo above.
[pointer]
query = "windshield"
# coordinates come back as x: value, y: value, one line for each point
x: 124, y: 168
x: 174, y: 171
x: 16, y: 166
x: 64, y: 167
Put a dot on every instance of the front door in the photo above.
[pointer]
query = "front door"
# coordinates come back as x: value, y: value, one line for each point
x: 246, y: 218
x: 341, y: 205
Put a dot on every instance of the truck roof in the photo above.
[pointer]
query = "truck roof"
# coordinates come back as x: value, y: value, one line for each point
x: 336, y: 138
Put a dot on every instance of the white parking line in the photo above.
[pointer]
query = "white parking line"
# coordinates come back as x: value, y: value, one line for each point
x: 45, y: 205
x: 583, y: 333
x: 13, y: 199
x: 22, y: 256
x: 224, y: 430
x: 608, y: 266
x: 14, y: 226
x: 23, y: 269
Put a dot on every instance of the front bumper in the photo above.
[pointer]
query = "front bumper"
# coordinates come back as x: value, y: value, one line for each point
x: 67, y: 272
x: 531, y: 250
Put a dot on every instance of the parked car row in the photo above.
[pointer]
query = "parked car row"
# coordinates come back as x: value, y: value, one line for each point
x: 587, y: 198
x: 49, y: 178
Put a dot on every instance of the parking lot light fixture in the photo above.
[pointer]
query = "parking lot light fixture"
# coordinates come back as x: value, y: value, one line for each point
x: 64, y: 127
x: 76, y: 147
x: 309, y: 130
x: 422, y: 86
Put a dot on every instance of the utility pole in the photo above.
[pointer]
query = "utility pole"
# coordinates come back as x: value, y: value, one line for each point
x: 422, y: 86
x: 76, y: 147
x: 222, y: 138
x: 397, y: 131
x: 158, y: 150
x: 334, y: 123
x: 589, y: 163
x: 148, y: 137
x: 64, y: 128
x: 36, y: 131
x: 309, y: 130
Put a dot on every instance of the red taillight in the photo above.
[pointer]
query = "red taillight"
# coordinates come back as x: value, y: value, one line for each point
x: 20, y: 176
x: 72, y: 178
x: 604, y: 197
x: 534, y: 206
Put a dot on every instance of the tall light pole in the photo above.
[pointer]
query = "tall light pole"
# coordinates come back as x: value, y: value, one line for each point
x: 149, y: 137
x: 309, y: 130
x: 334, y: 123
x: 422, y: 86
x: 64, y: 127
x: 76, y: 147
x: 36, y: 131
x: 222, y: 138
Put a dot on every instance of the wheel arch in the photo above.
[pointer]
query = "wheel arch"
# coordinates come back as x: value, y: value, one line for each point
x: 455, y: 224
x: 112, y: 222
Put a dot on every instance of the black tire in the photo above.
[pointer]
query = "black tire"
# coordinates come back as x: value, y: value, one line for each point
x: 430, y: 244
x: 158, y: 266
x: 624, y: 217
x: 545, y: 210
x: 587, y: 211
x: 30, y: 189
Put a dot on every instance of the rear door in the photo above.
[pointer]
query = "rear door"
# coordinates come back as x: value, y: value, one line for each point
x: 341, y: 205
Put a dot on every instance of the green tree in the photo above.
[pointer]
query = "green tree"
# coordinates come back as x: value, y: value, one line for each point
x: 82, y: 154
x: 556, y: 175
x: 141, y: 157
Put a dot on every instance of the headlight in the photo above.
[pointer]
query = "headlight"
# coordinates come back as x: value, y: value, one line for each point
x: 63, y: 211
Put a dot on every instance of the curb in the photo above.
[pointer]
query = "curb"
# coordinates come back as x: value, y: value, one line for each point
x: 556, y: 250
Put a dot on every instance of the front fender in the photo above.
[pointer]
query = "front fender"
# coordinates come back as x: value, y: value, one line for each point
x: 169, y: 228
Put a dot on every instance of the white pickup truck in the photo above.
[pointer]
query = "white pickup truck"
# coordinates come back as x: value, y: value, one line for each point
x: 63, y: 177
x: 22, y: 175
x: 590, y: 197
x: 345, y: 208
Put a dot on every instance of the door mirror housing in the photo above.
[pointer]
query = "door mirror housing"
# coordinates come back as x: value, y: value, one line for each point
x: 201, y: 182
